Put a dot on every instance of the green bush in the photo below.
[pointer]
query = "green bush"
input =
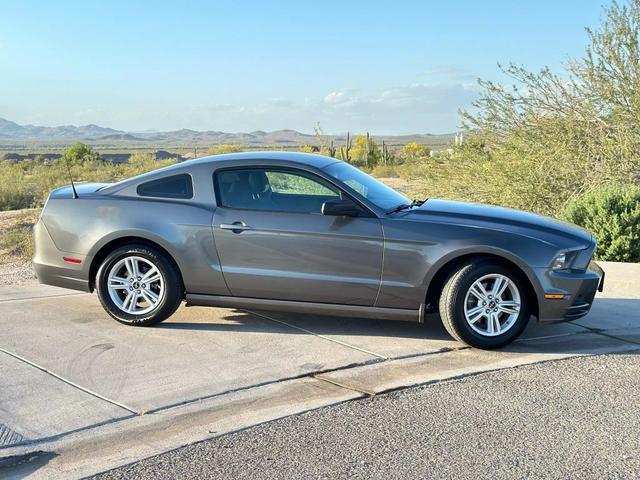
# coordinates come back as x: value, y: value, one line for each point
x: 612, y: 214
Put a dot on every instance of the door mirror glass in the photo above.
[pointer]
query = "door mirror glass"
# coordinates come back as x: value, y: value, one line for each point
x: 340, y: 208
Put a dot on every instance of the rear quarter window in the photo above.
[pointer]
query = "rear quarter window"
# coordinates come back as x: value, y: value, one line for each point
x: 175, y: 186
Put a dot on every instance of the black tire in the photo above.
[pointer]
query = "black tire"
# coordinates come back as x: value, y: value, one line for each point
x: 452, y: 304
x: 168, y: 303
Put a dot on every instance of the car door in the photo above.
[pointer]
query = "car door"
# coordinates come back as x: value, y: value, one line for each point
x: 274, y: 242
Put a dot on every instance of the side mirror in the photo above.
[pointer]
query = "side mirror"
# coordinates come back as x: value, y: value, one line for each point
x: 340, y: 208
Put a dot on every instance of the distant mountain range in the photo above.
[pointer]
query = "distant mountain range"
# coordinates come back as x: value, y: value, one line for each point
x: 14, y: 134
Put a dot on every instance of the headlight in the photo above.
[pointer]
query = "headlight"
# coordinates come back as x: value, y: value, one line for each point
x: 559, y: 262
x: 564, y: 260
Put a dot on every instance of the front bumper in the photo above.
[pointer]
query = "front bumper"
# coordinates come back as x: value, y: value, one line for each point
x: 578, y: 288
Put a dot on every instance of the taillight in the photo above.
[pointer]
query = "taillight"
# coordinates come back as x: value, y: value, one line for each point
x: 72, y: 260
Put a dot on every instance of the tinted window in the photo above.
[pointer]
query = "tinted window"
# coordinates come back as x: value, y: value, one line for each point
x: 176, y: 186
x: 272, y: 189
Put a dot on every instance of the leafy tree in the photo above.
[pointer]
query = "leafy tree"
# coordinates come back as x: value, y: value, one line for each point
x: 553, y: 136
x: 79, y: 154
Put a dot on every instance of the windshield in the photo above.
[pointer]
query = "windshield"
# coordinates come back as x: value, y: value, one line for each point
x: 376, y: 192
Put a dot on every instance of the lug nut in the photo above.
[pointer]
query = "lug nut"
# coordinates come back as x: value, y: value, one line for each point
x: 131, y: 288
x: 143, y: 285
x: 487, y: 311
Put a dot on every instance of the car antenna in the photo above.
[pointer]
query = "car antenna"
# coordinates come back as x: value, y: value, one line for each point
x: 73, y: 187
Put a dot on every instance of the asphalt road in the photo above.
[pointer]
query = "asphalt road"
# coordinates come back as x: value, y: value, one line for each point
x: 575, y: 418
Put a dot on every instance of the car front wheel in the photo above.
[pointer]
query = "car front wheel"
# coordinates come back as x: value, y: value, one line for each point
x: 139, y: 285
x: 485, y: 305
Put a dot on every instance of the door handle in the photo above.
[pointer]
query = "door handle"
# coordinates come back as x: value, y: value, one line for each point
x: 235, y: 227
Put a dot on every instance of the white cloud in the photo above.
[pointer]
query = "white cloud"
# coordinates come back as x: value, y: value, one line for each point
x: 415, y: 108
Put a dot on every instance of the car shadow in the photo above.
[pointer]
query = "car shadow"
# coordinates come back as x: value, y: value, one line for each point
x: 607, y: 314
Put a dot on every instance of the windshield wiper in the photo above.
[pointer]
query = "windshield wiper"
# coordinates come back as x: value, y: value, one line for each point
x: 404, y: 206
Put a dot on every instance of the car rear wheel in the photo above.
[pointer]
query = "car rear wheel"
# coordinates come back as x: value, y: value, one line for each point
x: 139, y: 285
x: 485, y: 305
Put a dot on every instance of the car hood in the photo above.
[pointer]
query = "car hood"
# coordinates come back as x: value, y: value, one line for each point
x: 506, y: 218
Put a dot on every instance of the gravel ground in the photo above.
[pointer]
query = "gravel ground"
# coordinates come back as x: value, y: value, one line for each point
x: 16, y: 272
x: 14, y: 268
x: 574, y: 418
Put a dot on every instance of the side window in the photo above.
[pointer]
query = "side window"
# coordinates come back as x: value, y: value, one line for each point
x: 175, y: 186
x: 273, y: 189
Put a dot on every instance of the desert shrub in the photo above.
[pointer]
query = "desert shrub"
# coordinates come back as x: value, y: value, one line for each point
x: 612, y: 214
x: 414, y: 151
x: 17, y: 239
x: 141, y: 161
x: 224, y: 148
x: 310, y: 149
x: 385, y: 171
x: 27, y: 183
x: 365, y: 152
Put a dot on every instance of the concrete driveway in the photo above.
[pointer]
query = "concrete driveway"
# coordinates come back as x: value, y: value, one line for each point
x: 81, y: 393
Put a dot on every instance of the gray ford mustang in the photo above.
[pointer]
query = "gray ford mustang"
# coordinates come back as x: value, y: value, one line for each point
x: 312, y: 234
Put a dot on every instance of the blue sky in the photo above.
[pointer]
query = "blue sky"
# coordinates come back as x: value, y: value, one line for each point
x: 387, y: 67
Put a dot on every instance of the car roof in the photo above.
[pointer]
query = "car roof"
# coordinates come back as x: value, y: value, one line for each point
x: 310, y: 159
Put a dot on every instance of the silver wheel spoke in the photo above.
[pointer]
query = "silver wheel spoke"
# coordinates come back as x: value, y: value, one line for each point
x: 508, y: 310
x: 509, y: 307
x: 499, y: 286
x: 131, y: 267
x: 118, y: 283
x: 510, y: 303
x: 490, y: 323
x: 128, y: 301
x: 477, y: 293
x: 151, y: 297
x: 155, y: 278
x: 475, y: 310
x: 496, y: 322
x: 476, y: 317
x: 149, y: 276
x: 502, y: 289
x: 480, y: 287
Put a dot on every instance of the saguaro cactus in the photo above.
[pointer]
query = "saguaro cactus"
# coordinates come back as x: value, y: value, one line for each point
x: 331, y: 150
x: 366, y: 151
x: 385, y: 153
x: 344, y: 151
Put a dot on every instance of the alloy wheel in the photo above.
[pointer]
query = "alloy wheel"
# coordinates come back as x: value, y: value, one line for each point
x: 136, y: 286
x: 492, y: 305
